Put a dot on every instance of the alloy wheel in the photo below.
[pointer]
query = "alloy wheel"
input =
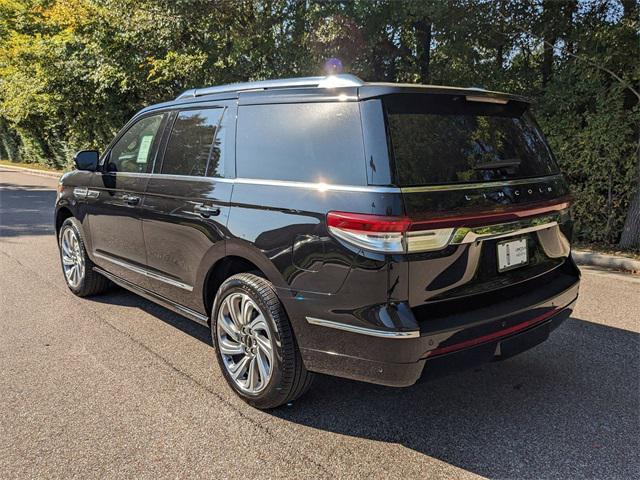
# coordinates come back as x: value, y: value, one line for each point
x: 72, y: 257
x: 245, y: 343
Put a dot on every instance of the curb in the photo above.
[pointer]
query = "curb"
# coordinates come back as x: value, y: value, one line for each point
x: 615, y: 262
x: 33, y: 171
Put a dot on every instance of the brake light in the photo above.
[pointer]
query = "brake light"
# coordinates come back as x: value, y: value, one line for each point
x: 371, y: 232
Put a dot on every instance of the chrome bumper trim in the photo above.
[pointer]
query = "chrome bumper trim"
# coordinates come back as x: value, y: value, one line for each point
x: 501, y: 230
x: 466, y: 235
x: 363, y: 330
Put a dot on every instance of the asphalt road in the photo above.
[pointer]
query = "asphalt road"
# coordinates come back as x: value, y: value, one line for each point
x: 115, y: 386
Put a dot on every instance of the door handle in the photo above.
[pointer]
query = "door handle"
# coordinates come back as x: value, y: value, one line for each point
x: 131, y: 199
x: 206, y: 211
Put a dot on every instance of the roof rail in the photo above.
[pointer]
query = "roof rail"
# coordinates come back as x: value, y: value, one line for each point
x: 330, y: 81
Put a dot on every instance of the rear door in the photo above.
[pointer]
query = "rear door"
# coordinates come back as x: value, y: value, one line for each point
x: 482, y: 189
x: 187, y: 202
x: 116, y: 195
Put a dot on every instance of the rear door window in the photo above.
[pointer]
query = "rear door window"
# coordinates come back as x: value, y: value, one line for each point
x: 445, y: 139
x: 193, y: 147
x: 302, y: 142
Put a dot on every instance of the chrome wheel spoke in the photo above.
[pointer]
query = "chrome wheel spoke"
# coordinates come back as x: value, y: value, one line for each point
x: 67, y: 261
x: 237, y: 370
x: 226, y: 323
x: 263, y: 366
x: 235, y: 311
x: 264, y: 346
x: 258, y: 323
x: 252, y: 376
x: 229, y: 347
x: 246, y: 310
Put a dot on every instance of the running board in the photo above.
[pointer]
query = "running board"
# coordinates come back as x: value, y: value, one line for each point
x: 154, y: 297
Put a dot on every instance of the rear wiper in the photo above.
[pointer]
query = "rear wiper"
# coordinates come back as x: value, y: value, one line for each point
x: 509, y: 162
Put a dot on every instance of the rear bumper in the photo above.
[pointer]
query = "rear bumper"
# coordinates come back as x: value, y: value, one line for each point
x: 445, y: 344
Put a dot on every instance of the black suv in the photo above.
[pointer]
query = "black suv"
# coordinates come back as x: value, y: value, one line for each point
x: 373, y: 231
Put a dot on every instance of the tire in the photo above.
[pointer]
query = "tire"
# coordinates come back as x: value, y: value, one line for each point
x: 87, y: 282
x: 283, y: 377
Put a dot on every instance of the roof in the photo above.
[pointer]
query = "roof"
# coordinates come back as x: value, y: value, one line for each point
x: 366, y: 89
x: 343, y: 86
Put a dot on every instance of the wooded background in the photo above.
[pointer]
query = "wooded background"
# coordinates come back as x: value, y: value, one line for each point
x: 72, y: 72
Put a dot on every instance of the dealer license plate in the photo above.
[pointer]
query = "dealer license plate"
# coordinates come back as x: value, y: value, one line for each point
x: 512, y: 254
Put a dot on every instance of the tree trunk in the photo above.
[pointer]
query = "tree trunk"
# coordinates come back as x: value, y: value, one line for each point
x: 630, y: 9
x: 550, y: 11
x: 423, y: 48
x: 500, y: 56
x: 631, y: 232
x: 630, y: 237
x: 9, y: 143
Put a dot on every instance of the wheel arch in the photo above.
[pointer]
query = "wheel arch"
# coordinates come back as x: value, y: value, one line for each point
x: 235, y: 261
x: 221, y: 270
x: 62, y: 214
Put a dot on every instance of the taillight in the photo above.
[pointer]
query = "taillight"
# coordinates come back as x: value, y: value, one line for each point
x: 371, y: 232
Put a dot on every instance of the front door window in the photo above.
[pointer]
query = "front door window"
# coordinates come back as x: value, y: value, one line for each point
x: 134, y: 151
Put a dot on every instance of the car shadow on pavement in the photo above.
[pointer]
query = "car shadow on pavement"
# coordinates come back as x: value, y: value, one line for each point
x: 26, y: 210
x: 569, y: 407
x: 124, y: 298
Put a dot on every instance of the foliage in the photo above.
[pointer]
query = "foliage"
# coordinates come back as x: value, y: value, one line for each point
x: 73, y: 71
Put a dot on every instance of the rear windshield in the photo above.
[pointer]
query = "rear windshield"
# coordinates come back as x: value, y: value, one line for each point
x: 444, y: 139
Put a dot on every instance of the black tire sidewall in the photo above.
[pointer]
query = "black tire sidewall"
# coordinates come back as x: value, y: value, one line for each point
x: 274, y: 390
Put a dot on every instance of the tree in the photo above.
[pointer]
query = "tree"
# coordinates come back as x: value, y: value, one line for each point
x: 73, y: 71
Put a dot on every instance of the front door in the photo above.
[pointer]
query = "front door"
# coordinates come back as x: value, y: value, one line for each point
x: 116, y: 196
x: 187, y: 203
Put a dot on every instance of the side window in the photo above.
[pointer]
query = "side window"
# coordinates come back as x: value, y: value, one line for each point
x: 303, y: 142
x: 193, y: 147
x: 133, y: 152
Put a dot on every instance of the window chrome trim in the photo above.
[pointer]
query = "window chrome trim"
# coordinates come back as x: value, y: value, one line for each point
x: 363, y: 330
x: 472, y: 186
x: 145, y: 272
x: 317, y: 186
x: 322, y: 187
x: 271, y: 183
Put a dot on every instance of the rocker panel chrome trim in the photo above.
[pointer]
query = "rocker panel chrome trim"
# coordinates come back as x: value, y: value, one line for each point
x: 145, y: 272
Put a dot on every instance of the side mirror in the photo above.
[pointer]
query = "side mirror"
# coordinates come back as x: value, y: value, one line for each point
x: 86, y: 160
